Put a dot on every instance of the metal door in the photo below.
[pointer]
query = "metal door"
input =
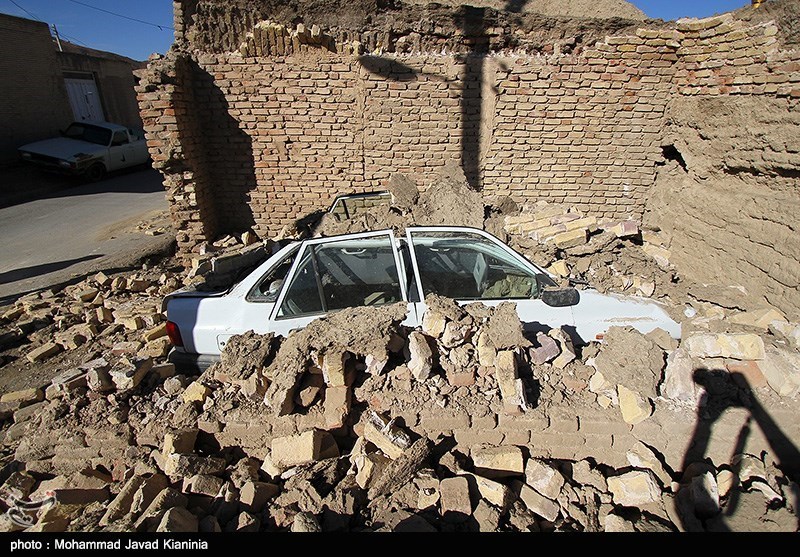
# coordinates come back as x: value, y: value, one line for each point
x: 84, y: 99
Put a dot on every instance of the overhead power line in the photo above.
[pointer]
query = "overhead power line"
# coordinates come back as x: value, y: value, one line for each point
x: 26, y: 11
x: 162, y: 27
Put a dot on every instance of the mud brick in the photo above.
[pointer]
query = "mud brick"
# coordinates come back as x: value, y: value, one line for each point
x: 297, y: 449
x: 43, y: 352
x: 455, y: 502
x: 254, y: 495
x: 498, y: 462
x: 516, y: 437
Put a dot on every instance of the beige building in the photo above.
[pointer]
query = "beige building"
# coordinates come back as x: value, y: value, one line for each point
x: 47, y: 84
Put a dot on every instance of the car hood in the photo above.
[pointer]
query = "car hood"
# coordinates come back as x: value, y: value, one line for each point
x: 596, y: 312
x: 63, y: 148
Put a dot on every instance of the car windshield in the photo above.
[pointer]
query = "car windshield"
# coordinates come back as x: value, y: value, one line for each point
x: 467, y: 266
x: 89, y: 133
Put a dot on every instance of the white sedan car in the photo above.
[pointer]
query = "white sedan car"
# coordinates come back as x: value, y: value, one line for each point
x: 306, y: 280
x: 88, y: 150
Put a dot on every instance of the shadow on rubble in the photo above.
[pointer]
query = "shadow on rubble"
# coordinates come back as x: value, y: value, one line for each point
x: 699, y: 508
x: 43, y: 269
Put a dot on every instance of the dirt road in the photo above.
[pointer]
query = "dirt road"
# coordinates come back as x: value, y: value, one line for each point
x: 69, y: 232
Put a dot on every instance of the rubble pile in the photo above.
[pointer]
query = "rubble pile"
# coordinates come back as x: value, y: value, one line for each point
x: 106, y: 315
x: 610, y: 255
x: 357, y: 422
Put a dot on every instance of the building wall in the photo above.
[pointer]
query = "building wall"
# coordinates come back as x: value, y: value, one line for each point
x: 33, y: 101
x: 293, y: 116
x: 115, y: 82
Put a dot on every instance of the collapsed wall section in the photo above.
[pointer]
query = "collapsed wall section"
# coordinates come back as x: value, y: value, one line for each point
x: 729, y: 199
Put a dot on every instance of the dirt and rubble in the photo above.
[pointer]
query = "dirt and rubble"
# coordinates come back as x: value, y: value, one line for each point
x: 359, y: 423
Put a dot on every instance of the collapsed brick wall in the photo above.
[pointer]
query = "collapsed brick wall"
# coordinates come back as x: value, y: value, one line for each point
x: 288, y: 117
x: 729, y: 201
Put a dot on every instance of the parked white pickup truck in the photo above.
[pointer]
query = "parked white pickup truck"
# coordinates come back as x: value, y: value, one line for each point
x: 306, y: 280
x: 89, y: 150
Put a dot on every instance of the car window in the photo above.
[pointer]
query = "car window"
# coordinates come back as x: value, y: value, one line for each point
x: 347, y: 206
x: 268, y: 287
x: 88, y: 133
x: 467, y: 266
x: 136, y: 134
x: 344, y: 273
x: 120, y: 138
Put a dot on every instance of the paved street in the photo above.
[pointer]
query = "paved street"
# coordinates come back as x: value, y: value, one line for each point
x: 72, y: 230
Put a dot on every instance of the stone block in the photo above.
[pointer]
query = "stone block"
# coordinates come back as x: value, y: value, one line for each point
x: 782, y: 371
x: 336, y: 406
x: 23, y: 397
x: 334, y: 368
x: 254, y: 495
x: 43, y: 352
x: 547, y: 350
x: 537, y: 503
x: 203, y: 484
x: 454, y: 499
x: 635, y: 408
x: 512, y: 390
x: 178, y: 519
x: 127, y: 374
x: 420, y: 356
x: 635, y: 488
x: 496, y: 493
x: 181, y: 441
x: 544, y: 478
x: 302, y: 448
x: 498, y: 462
x: 183, y: 465
x: 196, y: 392
x: 738, y: 346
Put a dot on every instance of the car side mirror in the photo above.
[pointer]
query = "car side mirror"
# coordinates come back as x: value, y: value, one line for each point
x: 560, y: 297
x: 274, y: 288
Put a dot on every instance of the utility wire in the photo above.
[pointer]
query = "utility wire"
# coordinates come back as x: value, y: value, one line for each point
x: 161, y: 27
x: 26, y: 11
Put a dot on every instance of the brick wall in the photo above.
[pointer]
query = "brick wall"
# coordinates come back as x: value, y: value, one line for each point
x: 293, y: 116
x: 115, y: 83
x: 34, y: 101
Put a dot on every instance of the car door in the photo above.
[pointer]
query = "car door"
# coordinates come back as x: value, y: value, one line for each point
x: 330, y: 274
x: 120, y: 151
x: 470, y: 265
x: 139, y: 150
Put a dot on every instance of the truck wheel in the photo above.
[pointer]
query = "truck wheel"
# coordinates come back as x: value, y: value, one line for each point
x: 95, y: 172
